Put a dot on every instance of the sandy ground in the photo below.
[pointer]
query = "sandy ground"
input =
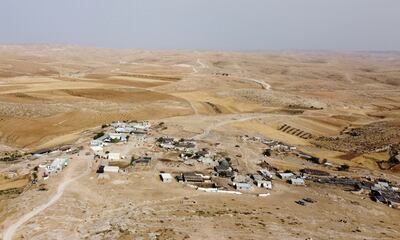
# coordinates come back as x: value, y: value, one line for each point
x: 49, y: 98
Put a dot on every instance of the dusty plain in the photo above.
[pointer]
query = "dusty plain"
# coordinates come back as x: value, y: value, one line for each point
x: 56, y: 95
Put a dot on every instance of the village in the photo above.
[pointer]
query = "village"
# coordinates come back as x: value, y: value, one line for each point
x: 129, y: 147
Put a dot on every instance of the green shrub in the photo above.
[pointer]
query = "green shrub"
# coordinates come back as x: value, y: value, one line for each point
x: 344, y: 167
x: 267, y: 152
x: 98, y: 135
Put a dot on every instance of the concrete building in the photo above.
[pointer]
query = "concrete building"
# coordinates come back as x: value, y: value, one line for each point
x: 242, y: 186
x: 192, y: 177
x: 141, y: 125
x: 124, y: 129
x: 111, y: 169
x: 96, y: 143
x: 166, y: 177
x: 380, y: 186
x: 285, y: 176
x: 115, y: 136
x: 265, y: 173
x: 57, y: 166
x: 167, y: 145
x: 100, y: 141
x: 297, y: 181
x: 264, y: 184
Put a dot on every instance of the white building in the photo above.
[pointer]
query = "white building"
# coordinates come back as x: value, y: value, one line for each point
x: 167, y: 145
x: 57, y: 165
x: 96, y: 143
x: 166, y: 177
x: 242, y: 186
x: 124, y: 129
x: 129, y: 127
x: 114, y: 136
x: 285, y: 176
x: 297, y: 181
x: 381, y: 185
x: 118, y: 124
x: 111, y: 169
x: 100, y: 141
x: 265, y: 173
x: 114, y: 156
x: 141, y: 125
x: 264, y: 184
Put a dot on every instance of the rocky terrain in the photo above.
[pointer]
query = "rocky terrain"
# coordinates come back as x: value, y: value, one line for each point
x: 334, y: 112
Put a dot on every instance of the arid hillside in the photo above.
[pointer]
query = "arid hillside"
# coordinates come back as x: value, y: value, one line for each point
x: 50, y: 92
x: 123, y: 144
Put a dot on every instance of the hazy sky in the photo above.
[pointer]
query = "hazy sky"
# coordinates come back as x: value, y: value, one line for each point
x: 205, y: 24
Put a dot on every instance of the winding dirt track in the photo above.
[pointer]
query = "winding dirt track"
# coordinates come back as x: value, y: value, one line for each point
x: 236, y: 118
x: 263, y: 84
x: 10, y: 231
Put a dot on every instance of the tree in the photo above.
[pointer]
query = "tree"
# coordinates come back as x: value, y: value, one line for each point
x: 98, y: 135
x: 344, y: 167
x: 34, y: 175
x: 267, y: 152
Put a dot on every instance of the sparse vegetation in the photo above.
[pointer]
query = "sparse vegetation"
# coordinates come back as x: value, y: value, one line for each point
x: 344, y: 167
x: 321, y: 98
x: 267, y: 152
x: 98, y: 135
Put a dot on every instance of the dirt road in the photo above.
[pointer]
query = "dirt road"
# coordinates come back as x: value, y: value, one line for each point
x: 10, y: 231
x: 263, y: 84
x: 202, y: 65
x: 235, y: 118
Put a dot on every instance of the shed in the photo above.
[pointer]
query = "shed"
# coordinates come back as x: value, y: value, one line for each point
x: 297, y: 181
x: 264, y: 184
x: 265, y: 173
x: 192, y: 177
x: 41, y: 151
x: 96, y: 143
x: 285, y: 176
x: 242, y: 186
x: 179, y: 178
x: 315, y: 172
x: 57, y: 165
x: 115, y: 136
x: 166, y: 177
x: 223, y: 172
x: 111, y: 169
